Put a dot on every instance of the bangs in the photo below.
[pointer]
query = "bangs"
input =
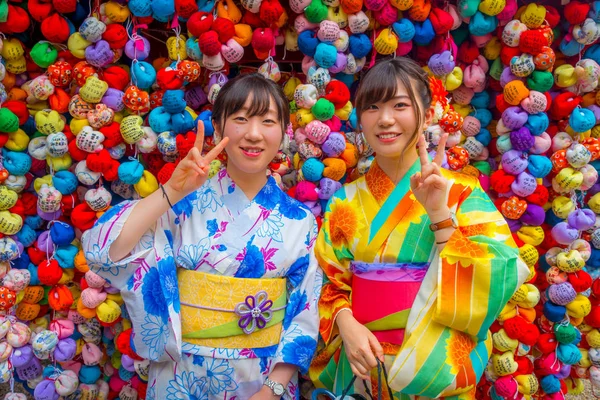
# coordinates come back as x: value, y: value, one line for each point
x: 379, y: 86
x: 255, y: 91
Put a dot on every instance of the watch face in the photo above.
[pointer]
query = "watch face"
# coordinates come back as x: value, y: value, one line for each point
x: 278, y: 389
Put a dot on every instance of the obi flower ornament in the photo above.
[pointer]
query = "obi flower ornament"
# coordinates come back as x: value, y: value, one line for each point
x: 255, y: 312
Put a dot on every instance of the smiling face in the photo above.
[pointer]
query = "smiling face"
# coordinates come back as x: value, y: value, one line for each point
x: 392, y: 116
x: 254, y: 140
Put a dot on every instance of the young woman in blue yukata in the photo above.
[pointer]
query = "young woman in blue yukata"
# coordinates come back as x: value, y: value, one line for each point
x: 218, y: 275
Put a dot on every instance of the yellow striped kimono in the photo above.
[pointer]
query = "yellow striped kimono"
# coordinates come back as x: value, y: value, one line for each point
x: 446, y: 342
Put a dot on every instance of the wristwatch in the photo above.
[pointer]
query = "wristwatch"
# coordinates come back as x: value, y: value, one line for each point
x: 277, y: 388
x: 447, y: 223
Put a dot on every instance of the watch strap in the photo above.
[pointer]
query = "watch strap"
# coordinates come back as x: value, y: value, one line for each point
x: 446, y: 223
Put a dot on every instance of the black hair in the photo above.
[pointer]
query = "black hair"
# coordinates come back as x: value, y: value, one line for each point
x: 262, y: 91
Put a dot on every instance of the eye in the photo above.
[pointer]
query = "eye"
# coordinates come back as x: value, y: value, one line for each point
x: 401, y: 105
x: 372, y: 107
x: 240, y: 119
x: 269, y: 121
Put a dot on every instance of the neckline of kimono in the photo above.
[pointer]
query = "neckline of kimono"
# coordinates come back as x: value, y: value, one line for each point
x: 270, y: 182
x: 237, y: 186
x: 381, y: 185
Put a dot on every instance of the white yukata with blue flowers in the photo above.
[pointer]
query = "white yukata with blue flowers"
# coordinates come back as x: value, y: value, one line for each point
x: 269, y: 237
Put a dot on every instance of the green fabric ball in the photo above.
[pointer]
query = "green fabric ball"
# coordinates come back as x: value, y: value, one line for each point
x: 565, y: 333
x: 540, y: 81
x: 3, y: 11
x: 496, y: 69
x: 9, y: 122
x: 483, y: 167
x: 43, y: 54
x: 460, y: 34
x: 323, y: 110
x: 468, y: 8
x: 316, y: 12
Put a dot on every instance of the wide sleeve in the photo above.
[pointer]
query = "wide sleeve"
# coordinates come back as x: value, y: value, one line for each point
x: 480, y: 268
x: 96, y: 243
x: 299, y: 336
x: 334, y: 257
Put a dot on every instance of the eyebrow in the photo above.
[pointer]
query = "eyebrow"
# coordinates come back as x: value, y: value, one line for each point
x: 402, y: 96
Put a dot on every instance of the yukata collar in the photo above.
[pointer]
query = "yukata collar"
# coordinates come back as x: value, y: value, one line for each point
x: 381, y: 186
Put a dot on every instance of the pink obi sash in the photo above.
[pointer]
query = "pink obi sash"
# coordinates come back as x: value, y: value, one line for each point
x: 382, y: 295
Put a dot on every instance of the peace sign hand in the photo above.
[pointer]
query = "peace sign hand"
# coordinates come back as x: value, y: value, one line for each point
x: 192, y: 172
x: 429, y: 186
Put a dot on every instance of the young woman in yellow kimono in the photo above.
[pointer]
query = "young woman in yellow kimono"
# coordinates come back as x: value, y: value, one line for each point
x: 419, y: 261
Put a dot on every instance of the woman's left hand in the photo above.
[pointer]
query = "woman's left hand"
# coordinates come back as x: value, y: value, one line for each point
x: 429, y: 186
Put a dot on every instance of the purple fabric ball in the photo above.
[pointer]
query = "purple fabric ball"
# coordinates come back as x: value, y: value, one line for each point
x: 534, y: 215
x: 522, y: 139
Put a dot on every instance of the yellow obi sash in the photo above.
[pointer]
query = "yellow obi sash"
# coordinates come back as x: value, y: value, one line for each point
x: 231, y: 313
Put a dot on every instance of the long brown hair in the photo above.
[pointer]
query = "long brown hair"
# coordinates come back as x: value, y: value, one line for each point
x: 379, y: 85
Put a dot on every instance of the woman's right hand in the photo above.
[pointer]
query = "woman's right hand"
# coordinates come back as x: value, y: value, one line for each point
x: 192, y: 172
x: 362, y: 347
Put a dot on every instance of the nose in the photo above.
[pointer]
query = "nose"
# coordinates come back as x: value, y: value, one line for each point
x: 386, y: 117
x: 254, y: 131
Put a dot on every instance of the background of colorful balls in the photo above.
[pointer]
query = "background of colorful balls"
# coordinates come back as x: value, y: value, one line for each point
x: 98, y: 102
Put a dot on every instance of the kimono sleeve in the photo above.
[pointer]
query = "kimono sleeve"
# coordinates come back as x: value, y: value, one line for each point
x: 300, y: 325
x: 334, y: 259
x: 96, y: 244
x: 479, y: 268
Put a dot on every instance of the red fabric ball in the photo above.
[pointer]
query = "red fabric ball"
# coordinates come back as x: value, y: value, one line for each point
x: 547, y: 343
x: 593, y: 318
x: 55, y: 28
x: 8, y: 298
x: 169, y: 79
x: 36, y: 256
x: 185, y: 143
x: 65, y: 6
x: 337, y: 93
x: 468, y: 52
x: 99, y: 162
x: 19, y: 108
x: 3, y: 139
x: 596, y: 288
x: 76, y: 153
x: 59, y: 101
x: 532, y: 41
x: 186, y: 8
x: 500, y: 181
x: 580, y: 280
x: 424, y: 53
x: 270, y: 11
x: 83, y: 217
x: 116, y: 36
x: 200, y: 22
x: 525, y: 366
x: 39, y: 10
x: 539, y: 197
x: 123, y: 344
x: 112, y: 135
x: 576, y: 12
x: 495, y: 85
x: 209, y: 43
x: 563, y: 105
x: 263, y: 40
x: 17, y: 21
x: 154, y: 162
x: 552, y: 16
x: 507, y: 53
x: 49, y: 272
x: 165, y: 173
x: 253, y: 19
x: 501, y: 104
x: 441, y: 20
x: 116, y: 77
x: 29, y: 201
x: 224, y: 27
x: 18, y: 208
x: 68, y: 203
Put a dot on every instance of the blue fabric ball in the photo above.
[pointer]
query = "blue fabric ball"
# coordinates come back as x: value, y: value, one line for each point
x: 554, y: 312
x: 482, y: 24
x: 481, y: 100
x: 405, y: 30
x: 325, y: 55
x: 173, y: 101
x: 539, y: 166
x: 160, y: 120
x: 131, y: 172
x: 312, y: 169
x: 143, y: 74
x: 537, y: 123
x: 65, y: 256
x: 206, y: 118
x: 360, y: 45
x: 424, y: 33
x: 65, y: 182
x: 550, y: 384
x: 62, y: 234
x: 483, y: 115
x: 484, y: 137
x: 89, y: 374
x: 27, y: 236
x: 308, y: 42
x: 182, y: 122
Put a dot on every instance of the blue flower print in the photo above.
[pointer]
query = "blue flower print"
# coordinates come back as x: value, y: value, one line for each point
x: 220, y: 376
x: 294, y: 307
x: 112, y: 212
x: 298, y: 270
x: 155, y: 334
x: 269, y: 196
x: 168, y: 278
x: 187, y: 386
x: 154, y: 300
x: 209, y: 199
x: 300, y: 352
x: 186, y: 206
x: 198, y: 360
x: 271, y: 227
x: 253, y: 264
x: 212, y: 227
x: 292, y: 208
